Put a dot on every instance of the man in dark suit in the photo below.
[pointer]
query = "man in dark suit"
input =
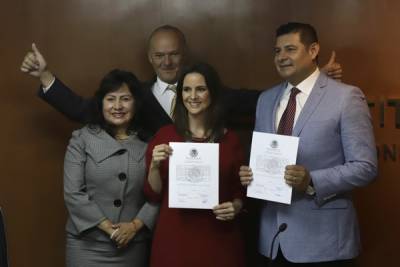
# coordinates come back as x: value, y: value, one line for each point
x: 166, y: 53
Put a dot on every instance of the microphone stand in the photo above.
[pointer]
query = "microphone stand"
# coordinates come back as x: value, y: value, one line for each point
x: 282, y: 228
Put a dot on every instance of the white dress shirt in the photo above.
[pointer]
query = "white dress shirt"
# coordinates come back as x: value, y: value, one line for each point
x: 305, y: 88
x: 163, y: 96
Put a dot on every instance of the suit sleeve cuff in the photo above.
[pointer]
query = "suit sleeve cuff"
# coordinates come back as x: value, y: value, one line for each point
x: 45, y: 89
x: 148, y: 214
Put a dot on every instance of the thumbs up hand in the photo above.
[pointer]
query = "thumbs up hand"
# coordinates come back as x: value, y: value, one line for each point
x: 35, y: 65
x: 333, y: 69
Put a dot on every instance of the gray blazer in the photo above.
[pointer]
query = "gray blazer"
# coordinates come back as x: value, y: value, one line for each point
x: 337, y: 147
x: 104, y: 178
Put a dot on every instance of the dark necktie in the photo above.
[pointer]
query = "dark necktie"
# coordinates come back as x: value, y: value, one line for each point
x: 286, y: 123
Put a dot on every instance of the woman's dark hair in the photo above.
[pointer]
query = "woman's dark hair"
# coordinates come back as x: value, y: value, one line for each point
x: 112, y: 82
x: 213, y: 117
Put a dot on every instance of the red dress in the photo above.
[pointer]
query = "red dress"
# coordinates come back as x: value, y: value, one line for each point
x: 191, y: 238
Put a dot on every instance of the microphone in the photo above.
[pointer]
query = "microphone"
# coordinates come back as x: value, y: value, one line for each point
x: 282, y: 228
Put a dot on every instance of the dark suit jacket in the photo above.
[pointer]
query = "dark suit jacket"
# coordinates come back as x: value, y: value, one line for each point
x: 239, y: 106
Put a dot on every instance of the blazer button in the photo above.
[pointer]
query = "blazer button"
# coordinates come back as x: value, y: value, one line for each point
x: 117, y: 203
x: 122, y: 176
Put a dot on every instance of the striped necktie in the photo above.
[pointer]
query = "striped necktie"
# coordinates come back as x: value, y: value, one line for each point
x: 172, y: 87
x: 286, y: 123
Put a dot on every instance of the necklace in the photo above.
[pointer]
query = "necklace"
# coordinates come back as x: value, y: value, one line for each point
x: 121, y: 138
x: 206, y: 139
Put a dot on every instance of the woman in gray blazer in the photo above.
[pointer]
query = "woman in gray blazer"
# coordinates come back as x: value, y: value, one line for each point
x: 109, y: 220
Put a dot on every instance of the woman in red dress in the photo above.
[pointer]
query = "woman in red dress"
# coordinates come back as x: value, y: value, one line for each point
x: 194, y: 237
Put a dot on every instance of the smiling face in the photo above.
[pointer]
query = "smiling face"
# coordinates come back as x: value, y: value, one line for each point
x: 118, y: 108
x: 195, y: 94
x: 165, y: 54
x: 294, y: 61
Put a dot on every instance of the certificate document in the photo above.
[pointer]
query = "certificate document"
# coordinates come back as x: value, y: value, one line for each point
x: 270, y: 153
x: 193, y: 175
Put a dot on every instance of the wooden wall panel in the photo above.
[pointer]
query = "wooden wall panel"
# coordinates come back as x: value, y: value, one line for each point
x: 82, y: 40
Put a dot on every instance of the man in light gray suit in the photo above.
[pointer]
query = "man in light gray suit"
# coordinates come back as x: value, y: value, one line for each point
x: 336, y: 155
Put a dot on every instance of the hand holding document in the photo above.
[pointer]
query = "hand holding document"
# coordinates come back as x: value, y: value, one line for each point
x: 270, y: 154
x: 193, y: 175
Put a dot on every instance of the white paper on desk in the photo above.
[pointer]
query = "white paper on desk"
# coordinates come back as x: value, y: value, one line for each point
x: 193, y: 175
x: 270, y: 153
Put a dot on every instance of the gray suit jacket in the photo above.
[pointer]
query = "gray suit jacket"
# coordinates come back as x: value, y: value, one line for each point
x: 337, y: 147
x: 104, y: 178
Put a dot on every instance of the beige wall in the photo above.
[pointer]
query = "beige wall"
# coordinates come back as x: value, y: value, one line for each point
x: 82, y: 40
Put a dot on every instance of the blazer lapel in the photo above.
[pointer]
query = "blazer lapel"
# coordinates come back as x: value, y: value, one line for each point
x: 108, y: 146
x: 278, y: 97
x: 153, y: 106
x: 311, y: 104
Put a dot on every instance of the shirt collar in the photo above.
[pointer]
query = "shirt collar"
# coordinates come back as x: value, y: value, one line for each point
x: 161, y: 86
x: 306, y: 85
